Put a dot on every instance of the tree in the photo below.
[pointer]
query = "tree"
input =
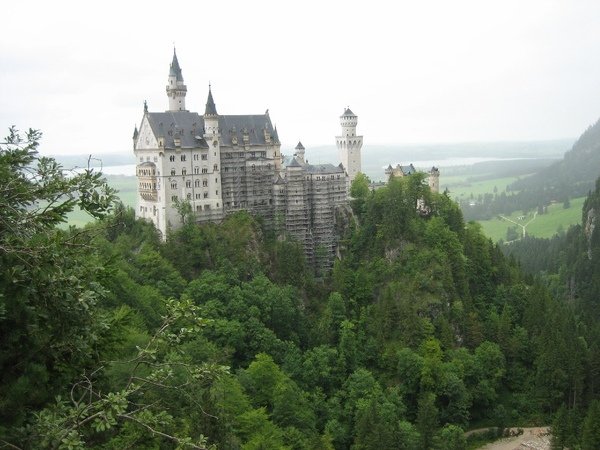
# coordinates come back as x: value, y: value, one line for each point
x: 590, y: 438
x: 48, y: 290
x: 451, y: 437
x: 427, y: 420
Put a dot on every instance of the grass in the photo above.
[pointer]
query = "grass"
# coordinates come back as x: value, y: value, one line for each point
x: 460, y: 187
x: 127, y: 188
x: 544, y: 226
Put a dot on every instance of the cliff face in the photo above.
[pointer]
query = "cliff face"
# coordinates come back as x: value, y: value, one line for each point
x: 588, y: 229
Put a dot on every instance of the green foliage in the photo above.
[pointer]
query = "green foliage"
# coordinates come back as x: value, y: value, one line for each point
x: 423, y: 329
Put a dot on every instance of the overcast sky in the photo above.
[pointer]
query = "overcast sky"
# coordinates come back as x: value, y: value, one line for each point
x: 413, y: 71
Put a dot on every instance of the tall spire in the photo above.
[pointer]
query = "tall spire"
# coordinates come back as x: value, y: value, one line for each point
x: 176, y: 90
x: 211, y: 109
x: 175, y: 70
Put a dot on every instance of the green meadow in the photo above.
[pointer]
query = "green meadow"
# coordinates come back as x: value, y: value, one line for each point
x: 126, y: 185
x: 545, y: 225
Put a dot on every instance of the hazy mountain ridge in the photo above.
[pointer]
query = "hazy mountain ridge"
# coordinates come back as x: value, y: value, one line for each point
x: 576, y: 172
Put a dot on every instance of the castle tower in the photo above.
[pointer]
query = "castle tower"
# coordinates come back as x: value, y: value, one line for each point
x: 299, y: 153
x: 212, y: 166
x: 349, y: 145
x: 176, y: 90
x: 434, y: 179
x: 211, y: 117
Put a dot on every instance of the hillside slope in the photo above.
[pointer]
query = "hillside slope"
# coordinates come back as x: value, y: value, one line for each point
x: 575, y: 173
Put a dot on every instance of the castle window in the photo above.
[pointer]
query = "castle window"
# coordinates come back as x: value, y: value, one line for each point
x: 215, y: 168
x: 216, y: 192
x: 204, y: 183
x: 195, y: 156
x: 204, y: 157
x: 172, y: 158
x: 174, y: 198
x: 198, y: 196
x: 188, y: 184
x: 183, y: 157
x: 189, y: 196
x: 197, y: 183
x: 216, y: 180
x: 172, y: 171
x: 174, y: 185
x: 206, y: 195
x: 196, y: 170
x: 204, y: 170
x: 155, y: 159
x: 183, y: 171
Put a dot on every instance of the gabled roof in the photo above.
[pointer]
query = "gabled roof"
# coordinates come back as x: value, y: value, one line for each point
x: 294, y: 163
x: 211, y: 109
x: 349, y: 113
x: 190, y: 128
x: 175, y: 70
x: 300, y: 146
x: 323, y: 168
x: 408, y: 170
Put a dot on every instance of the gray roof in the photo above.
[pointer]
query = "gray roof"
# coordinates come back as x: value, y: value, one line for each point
x: 254, y: 125
x: 299, y: 146
x: 175, y: 70
x: 190, y: 128
x: 408, y: 170
x: 294, y: 163
x: 349, y: 113
x: 211, y: 108
x: 323, y: 168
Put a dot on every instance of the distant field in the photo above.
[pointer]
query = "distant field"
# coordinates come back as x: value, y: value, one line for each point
x: 545, y: 225
x: 127, y: 193
x: 461, y: 188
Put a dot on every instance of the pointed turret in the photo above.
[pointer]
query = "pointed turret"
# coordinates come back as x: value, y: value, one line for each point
x: 176, y: 90
x: 300, y: 151
x: 135, y: 133
x: 175, y: 69
x: 211, y: 109
x: 275, y: 135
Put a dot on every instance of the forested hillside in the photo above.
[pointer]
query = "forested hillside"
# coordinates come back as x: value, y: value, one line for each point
x: 571, y: 177
x: 221, y: 337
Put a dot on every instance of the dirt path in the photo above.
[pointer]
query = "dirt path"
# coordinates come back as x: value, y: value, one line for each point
x: 531, y: 439
x: 523, y: 227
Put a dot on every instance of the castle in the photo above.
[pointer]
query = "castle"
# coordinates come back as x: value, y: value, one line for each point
x: 221, y: 164
x: 433, y: 176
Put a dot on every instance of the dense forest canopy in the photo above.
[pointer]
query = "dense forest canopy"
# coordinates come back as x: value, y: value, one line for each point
x: 222, y: 337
